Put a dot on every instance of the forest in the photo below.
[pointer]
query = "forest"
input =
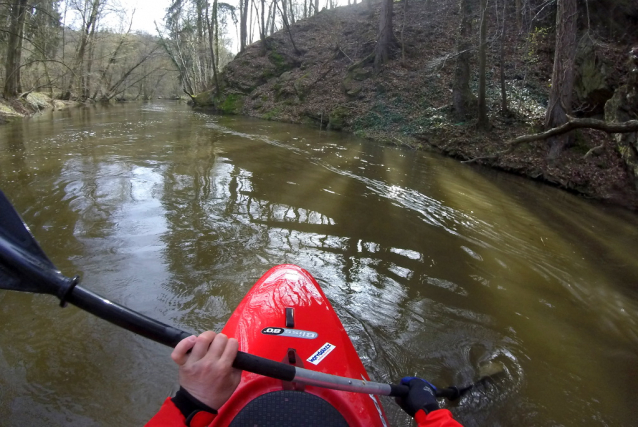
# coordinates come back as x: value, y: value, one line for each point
x: 543, y: 88
x: 85, y: 50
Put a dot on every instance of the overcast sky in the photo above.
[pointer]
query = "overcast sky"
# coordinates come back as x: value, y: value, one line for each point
x: 147, y: 11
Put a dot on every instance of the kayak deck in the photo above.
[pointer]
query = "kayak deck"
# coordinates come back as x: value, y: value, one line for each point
x: 287, y: 318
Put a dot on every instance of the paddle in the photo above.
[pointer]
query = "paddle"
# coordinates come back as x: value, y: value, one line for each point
x: 25, y: 267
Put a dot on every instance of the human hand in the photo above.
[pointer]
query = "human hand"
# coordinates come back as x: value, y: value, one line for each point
x: 422, y: 395
x: 207, y: 373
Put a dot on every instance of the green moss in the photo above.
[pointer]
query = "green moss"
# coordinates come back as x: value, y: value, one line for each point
x: 361, y: 74
x: 273, y: 114
x: 231, y: 104
x: 592, y: 78
x: 204, y: 99
x: 336, y: 118
x: 281, y: 62
x: 300, y: 87
x: 350, y: 86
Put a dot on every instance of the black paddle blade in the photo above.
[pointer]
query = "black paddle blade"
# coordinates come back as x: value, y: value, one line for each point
x: 23, y: 264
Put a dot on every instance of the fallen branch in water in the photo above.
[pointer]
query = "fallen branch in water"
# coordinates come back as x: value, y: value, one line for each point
x: 573, y: 123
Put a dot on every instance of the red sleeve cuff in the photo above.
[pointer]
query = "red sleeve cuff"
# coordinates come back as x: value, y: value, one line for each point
x: 438, y: 418
x: 170, y: 416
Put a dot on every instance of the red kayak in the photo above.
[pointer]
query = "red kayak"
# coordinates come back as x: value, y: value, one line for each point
x: 287, y: 318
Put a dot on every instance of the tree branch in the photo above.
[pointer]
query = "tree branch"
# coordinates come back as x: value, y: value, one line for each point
x: 573, y: 123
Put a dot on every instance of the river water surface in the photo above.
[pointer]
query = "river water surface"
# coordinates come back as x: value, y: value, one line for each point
x: 434, y: 267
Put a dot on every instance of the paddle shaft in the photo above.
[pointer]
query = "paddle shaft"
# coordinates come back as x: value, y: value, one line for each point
x: 165, y: 334
x: 170, y: 336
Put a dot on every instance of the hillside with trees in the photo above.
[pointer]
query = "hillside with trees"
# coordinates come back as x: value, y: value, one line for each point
x: 539, y: 88
x: 543, y: 88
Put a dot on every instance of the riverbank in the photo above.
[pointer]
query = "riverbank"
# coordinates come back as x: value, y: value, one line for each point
x: 324, y: 80
x: 29, y: 105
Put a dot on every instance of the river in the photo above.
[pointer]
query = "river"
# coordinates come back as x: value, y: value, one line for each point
x: 435, y: 268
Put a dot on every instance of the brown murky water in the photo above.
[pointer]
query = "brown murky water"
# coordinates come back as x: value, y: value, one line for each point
x: 435, y: 268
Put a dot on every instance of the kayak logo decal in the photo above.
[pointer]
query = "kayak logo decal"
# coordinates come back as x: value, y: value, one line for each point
x: 321, y: 354
x: 293, y: 333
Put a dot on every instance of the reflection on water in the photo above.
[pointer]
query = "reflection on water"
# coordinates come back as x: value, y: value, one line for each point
x: 435, y: 268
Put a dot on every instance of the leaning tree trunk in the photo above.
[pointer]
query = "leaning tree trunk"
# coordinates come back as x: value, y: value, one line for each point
x: 560, y: 96
x: 12, y: 83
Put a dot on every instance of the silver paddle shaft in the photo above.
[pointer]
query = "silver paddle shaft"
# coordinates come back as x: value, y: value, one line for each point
x: 319, y: 379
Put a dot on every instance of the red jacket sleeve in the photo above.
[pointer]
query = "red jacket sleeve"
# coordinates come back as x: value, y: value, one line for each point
x: 170, y: 416
x: 438, y: 418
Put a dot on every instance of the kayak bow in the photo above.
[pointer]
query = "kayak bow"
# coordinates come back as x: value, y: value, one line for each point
x: 287, y: 317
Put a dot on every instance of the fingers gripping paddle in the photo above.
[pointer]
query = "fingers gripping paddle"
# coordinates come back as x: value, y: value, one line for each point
x: 25, y: 267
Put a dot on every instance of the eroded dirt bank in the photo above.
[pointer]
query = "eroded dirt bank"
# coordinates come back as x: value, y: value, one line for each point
x: 28, y: 105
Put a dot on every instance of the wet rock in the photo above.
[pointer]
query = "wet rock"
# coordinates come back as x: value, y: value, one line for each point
x: 593, y: 80
x: 623, y: 106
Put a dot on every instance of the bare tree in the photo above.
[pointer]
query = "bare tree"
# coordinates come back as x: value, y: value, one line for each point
x: 243, y: 18
x: 483, y: 122
x: 503, y: 35
x: 209, y: 26
x: 386, y: 38
x: 90, y: 13
x: 12, y: 83
x: 560, y: 96
x: 462, y: 97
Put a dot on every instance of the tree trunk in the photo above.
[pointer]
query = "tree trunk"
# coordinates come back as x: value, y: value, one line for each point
x: 211, y: 44
x: 560, y: 96
x: 263, y: 20
x: 386, y: 36
x: 284, y: 11
x: 502, y: 61
x: 250, y: 23
x: 519, y: 15
x: 78, y: 69
x: 86, y: 81
x: 482, y: 106
x: 243, y: 18
x: 12, y: 83
x: 292, y: 11
x: 316, y: 7
x: 285, y: 21
x: 462, y: 97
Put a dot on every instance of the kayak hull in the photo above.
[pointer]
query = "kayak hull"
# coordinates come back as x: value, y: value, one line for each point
x: 286, y: 317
